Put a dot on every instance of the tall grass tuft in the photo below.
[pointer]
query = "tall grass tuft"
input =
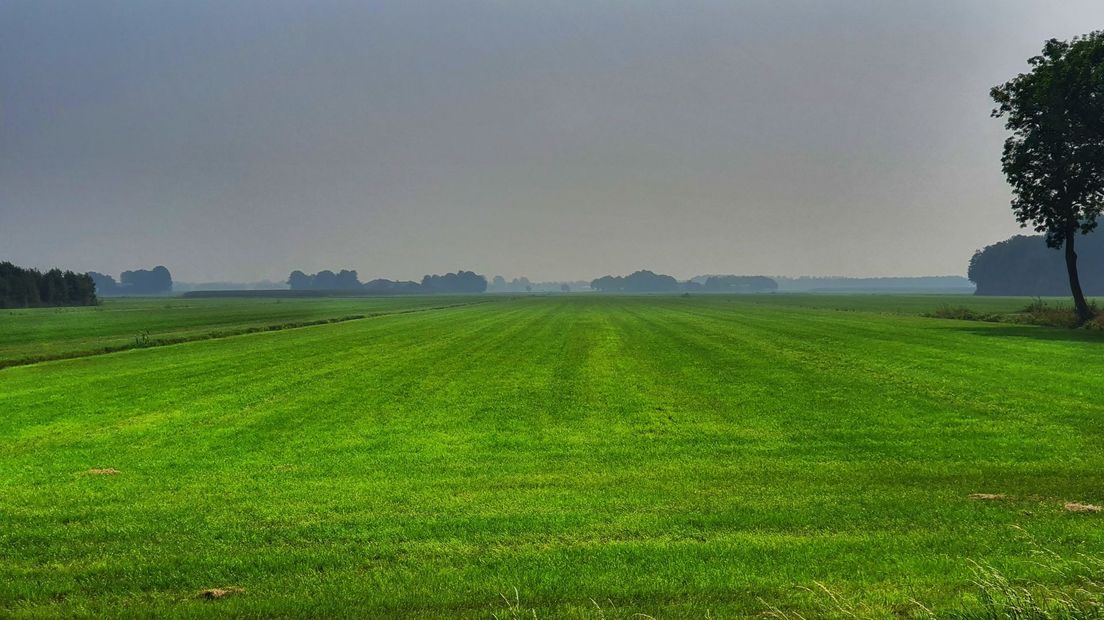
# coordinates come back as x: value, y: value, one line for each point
x: 1000, y: 598
x: 514, y: 609
x: 994, y: 596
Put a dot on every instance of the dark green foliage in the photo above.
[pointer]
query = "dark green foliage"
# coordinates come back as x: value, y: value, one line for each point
x: 650, y: 282
x: 1038, y: 312
x: 156, y: 281
x: 637, y: 282
x: 1024, y: 265
x: 147, y: 282
x: 459, y: 282
x: 299, y: 281
x: 29, y: 288
x: 346, y: 280
x: 392, y: 287
x: 325, y: 280
x: 106, y: 285
x: 1054, y: 158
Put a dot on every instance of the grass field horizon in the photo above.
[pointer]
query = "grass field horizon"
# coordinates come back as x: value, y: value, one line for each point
x: 30, y: 335
x: 563, y: 456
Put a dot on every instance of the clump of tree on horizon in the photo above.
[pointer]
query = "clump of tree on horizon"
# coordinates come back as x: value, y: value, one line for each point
x: 884, y: 284
x: 1054, y: 159
x: 739, y: 284
x: 645, y: 281
x: 325, y: 280
x: 156, y: 281
x: 498, y: 284
x: 517, y: 285
x: 347, y: 280
x: 1025, y: 265
x: 459, y: 282
x: 29, y: 288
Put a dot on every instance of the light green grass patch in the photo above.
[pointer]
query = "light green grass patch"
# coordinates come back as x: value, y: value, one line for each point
x: 662, y: 455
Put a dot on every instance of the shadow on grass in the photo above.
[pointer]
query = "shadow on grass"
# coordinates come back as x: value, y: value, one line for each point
x: 1034, y: 332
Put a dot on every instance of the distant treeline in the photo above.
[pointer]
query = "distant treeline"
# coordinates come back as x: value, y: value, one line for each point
x: 739, y: 284
x: 1024, y: 265
x: 650, y: 282
x: 834, y: 284
x: 156, y: 281
x: 499, y: 284
x: 347, y: 280
x: 517, y: 285
x: 261, y: 285
x: 29, y: 288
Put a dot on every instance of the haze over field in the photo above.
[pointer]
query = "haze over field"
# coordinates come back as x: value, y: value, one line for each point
x: 239, y: 141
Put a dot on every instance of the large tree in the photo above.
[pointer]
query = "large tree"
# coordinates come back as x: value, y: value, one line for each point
x: 1054, y: 158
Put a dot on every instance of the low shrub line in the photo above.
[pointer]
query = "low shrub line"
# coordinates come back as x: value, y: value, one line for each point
x: 1037, y: 312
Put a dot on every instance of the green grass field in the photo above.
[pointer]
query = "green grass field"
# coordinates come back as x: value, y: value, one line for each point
x: 27, y: 335
x: 563, y: 456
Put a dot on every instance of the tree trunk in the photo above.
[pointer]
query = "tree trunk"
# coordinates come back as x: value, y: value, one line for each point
x: 1079, y: 302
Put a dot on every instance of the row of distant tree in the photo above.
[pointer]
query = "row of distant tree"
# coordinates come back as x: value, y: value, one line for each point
x: 650, y: 282
x: 517, y: 285
x: 1025, y: 265
x: 29, y: 288
x: 908, y: 284
x: 499, y: 284
x: 347, y: 280
x: 156, y: 281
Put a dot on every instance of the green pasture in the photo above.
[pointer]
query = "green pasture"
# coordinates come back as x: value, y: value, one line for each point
x: 561, y: 456
x: 54, y: 332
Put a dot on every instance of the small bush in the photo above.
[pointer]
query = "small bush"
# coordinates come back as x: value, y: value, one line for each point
x: 1039, y: 312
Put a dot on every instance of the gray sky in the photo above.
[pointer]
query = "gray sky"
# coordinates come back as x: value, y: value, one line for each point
x: 241, y: 140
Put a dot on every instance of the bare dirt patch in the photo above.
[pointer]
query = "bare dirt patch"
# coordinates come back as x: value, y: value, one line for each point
x: 217, y: 593
x: 988, y: 497
x: 1079, y: 507
x: 108, y: 471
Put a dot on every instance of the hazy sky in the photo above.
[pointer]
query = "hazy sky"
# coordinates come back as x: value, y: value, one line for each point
x: 238, y: 140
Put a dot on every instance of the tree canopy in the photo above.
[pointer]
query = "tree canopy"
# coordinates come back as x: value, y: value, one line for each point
x: 28, y: 288
x: 325, y: 280
x: 156, y: 281
x: 1054, y: 157
x: 459, y: 282
x: 1024, y: 265
x: 649, y: 282
x: 346, y: 280
x: 643, y: 281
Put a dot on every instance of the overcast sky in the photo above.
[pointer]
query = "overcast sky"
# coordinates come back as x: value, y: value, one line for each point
x: 238, y: 140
